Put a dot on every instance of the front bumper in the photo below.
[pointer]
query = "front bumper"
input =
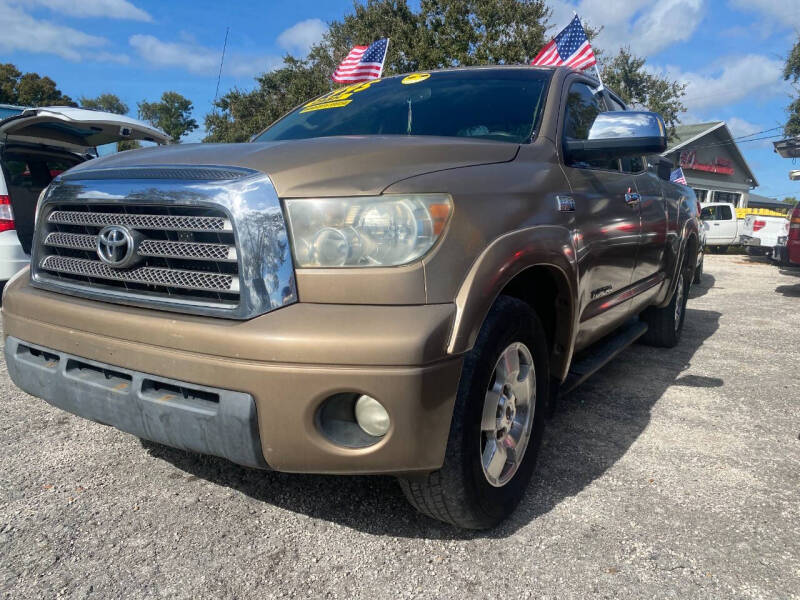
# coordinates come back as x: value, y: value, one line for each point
x: 175, y: 413
x: 288, y: 362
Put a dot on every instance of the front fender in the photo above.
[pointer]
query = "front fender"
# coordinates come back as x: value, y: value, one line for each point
x: 504, y: 259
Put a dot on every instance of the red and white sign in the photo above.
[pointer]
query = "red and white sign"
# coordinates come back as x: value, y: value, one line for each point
x: 720, y: 165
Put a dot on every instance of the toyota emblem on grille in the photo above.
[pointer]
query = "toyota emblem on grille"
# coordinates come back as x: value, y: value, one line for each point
x: 116, y: 246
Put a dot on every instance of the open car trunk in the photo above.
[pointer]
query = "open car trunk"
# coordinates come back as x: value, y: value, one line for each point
x: 27, y: 171
x: 40, y: 143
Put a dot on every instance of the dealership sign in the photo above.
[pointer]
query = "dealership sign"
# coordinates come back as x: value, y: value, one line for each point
x: 719, y: 165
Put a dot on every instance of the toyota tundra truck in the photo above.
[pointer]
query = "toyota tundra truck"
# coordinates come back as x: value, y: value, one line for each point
x: 398, y: 277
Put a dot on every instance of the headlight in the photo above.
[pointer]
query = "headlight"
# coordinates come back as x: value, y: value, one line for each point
x: 375, y: 231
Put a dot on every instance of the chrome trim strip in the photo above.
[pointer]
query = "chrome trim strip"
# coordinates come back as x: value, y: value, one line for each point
x: 162, y: 222
x: 168, y: 278
x: 266, y: 270
x: 148, y: 247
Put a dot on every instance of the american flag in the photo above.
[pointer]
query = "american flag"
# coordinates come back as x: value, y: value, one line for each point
x: 570, y: 47
x: 677, y: 176
x: 363, y: 63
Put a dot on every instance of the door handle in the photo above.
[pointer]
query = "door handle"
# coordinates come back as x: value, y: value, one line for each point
x: 632, y: 198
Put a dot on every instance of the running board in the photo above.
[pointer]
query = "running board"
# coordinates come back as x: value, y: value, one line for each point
x: 599, y: 354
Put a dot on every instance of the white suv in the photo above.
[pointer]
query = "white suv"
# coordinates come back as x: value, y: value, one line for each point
x: 36, y: 144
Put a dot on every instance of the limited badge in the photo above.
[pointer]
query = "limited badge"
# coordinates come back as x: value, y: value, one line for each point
x: 415, y: 78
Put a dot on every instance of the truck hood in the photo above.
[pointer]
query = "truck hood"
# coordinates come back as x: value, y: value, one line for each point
x: 333, y: 166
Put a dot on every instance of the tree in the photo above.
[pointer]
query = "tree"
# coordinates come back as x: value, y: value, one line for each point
x: 791, y: 72
x: 29, y: 89
x: 625, y: 74
x: 173, y: 114
x: 441, y: 33
x: 790, y: 200
x: 107, y: 102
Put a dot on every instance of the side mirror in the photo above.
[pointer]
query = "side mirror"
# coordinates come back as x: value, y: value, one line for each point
x: 618, y: 134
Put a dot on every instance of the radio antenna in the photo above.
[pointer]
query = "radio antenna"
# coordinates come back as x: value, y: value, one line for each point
x: 221, y: 62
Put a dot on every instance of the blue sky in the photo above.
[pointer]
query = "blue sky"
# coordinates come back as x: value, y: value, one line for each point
x: 729, y: 52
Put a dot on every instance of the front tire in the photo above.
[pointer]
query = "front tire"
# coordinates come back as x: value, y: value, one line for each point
x: 497, y: 425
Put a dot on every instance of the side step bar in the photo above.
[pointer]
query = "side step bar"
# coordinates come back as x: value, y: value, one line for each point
x: 599, y: 354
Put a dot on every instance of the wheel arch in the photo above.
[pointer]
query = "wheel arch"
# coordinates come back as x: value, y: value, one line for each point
x: 536, y: 265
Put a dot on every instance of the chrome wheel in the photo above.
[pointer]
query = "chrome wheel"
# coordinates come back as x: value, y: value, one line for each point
x: 507, y: 417
x: 679, y: 300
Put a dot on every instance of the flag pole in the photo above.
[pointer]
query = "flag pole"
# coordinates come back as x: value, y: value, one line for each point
x: 385, y: 57
x: 596, y: 70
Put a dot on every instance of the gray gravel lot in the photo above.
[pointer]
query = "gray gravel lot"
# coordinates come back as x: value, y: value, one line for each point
x: 670, y: 474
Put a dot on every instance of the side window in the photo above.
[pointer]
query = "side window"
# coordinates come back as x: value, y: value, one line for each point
x: 19, y: 174
x: 725, y: 213
x: 707, y: 214
x: 613, y: 104
x: 633, y: 164
x: 582, y: 108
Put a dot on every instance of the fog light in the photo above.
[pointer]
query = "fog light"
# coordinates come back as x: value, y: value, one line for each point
x: 371, y: 416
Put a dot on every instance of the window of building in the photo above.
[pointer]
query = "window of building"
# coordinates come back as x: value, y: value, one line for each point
x: 702, y: 195
x: 731, y: 197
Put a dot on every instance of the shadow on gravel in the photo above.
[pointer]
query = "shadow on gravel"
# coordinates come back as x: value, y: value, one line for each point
x: 790, y: 271
x: 698, y: 290
x: 592, y: 429
x: 792, y: 291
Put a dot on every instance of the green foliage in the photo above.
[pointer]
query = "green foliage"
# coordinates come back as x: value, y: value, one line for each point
x: 791, y: 72
x: 625, y: 74
x: 173, y: 114
x: 29, y: 89
x: 107, y: 102
x: 440, y: 34
x: 790, y: 200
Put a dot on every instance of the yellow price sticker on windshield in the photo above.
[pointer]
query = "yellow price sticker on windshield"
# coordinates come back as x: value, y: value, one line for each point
x: 415, y: 78
x: 338, y: 98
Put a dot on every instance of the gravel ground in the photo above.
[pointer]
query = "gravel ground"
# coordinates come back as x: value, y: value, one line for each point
x: 670, y: 474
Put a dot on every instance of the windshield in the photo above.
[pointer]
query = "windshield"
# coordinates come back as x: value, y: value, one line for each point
x: 494, y: 104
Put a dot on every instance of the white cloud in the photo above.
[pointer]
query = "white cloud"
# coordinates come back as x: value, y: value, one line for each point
x: 198, y: 59
x: 647, y: 27
x: 301, y: 36
x: 740, y: 127
x: 737, y: 78
x: 785, y: 13
x: 20, y: 31
x: 109, y: 9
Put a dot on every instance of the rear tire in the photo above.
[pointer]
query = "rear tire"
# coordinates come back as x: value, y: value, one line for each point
x: 665, y: 325
x: 480, y: 482
x: 698, y: 272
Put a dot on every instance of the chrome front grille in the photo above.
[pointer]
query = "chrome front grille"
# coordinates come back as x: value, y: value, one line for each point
x: 183, y: 252
x: 157, y: 222
x: 168, y: 278
x: 197, y: 239
x: 166, y: 249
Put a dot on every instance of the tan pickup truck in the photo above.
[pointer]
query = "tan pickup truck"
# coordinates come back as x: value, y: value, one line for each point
x: 397, y: 277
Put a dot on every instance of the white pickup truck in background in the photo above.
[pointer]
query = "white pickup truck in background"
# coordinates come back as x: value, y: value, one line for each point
x: 760, y: 234
x: 721, y: 226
